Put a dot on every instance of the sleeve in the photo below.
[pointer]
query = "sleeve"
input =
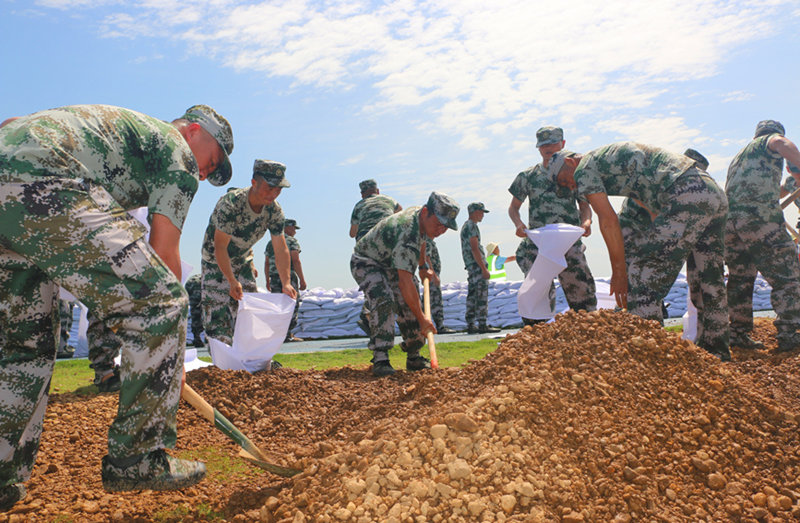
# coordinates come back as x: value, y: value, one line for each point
x: 587, y: 176
x: 405, y: 254
x: 276, y: 219
x: 268, y: 251
x: 354, y: 219
x: 223, y: 217
x: 519, y: 188
x: 499, y: 262
x: 174, y: 179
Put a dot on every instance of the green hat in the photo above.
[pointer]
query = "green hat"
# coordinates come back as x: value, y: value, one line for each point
x: 557, y: 162
x: 769, y: 127
x: 288, y: 222
x: 476, y: 206
x: 367, y: 184
x: 444, y: 208
x: 217, y: 126
x: 549, y: 134
x: 699, y: 160
x: 272, y: 172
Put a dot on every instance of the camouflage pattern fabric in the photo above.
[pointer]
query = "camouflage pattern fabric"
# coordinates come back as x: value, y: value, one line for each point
x: 631, y: 169
x: 437, y: 305
x: 275, y: 284
x: 104, y: 345
x: 393, y: 244
x: 477, y: 298
x: 576, y: 280
x: 756, y: 240
x: 381, y: 288
x: 67, y: 176
x: 469, y: 230
x: 234, y: 216
x: 219, y: 309
x: 65, y: 310
x: 548, y: 202
x: 194, y: 288
x: 790, y: 185
x: 691, y: 213
x: 370, y: 210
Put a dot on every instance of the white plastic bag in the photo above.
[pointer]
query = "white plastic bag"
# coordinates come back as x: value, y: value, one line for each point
x: 261, y: 326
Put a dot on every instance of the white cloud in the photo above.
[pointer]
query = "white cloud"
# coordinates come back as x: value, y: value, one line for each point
x: 736, y: 96
x: 480, y: 68
x: 669, y: 132
x: 354, y: 159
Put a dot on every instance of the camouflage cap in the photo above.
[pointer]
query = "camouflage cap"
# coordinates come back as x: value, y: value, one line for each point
x: 700, y: 160
x: 288, y: 222
x: 477, y: 206
x: 557, y: 162
x: 444, y: 208
x: 217, y: 126
x: 549, y: 134
x: 367, y: 184
x: 769, y: 127
x: 792, y: 168
x: 272, y: 172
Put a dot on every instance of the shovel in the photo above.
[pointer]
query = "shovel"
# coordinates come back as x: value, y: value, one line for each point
x: 249, y: 450
x: 426, y: 284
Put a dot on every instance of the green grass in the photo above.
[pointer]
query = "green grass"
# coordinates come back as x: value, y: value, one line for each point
x: 75, y: 376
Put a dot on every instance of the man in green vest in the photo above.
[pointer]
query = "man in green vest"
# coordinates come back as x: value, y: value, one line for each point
x: 496, y: 264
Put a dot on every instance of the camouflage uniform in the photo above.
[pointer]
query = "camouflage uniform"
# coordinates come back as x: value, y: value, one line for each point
x: 193, y: 288
x: 233, y: 216
x: 275, y: 284
x: 67, y: 176
x: 756, y: 240
x: 691, y: 211
x: 104, y: 346
x: 370, y: 210
x: 394, y: 244
x: 477, y: 286
x: 437, y: 306
x: 549, y: 203
x: 65, y: 314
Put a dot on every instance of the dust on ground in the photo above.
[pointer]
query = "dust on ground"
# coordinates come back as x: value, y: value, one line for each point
x: 595, y: 417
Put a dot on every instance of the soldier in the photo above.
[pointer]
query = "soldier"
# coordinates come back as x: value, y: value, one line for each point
x: 298, y: 280
x: 372, y: 208
x: 756, y: 240
x: 66, y: 177
x: 689, y: 210
x: 477, y: 273
x: 193, y: 288
x: 549, y: 203
x: 434, y: 262
x: 65, y: 312
x: 241, y: 218
x: 383, y: 264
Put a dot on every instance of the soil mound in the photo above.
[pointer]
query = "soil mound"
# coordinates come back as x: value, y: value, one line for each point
x: 595, y: 417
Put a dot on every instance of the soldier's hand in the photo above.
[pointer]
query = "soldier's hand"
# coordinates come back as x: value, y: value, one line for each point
x: 427, y: 326
x: 587, y: 228
x: 426, y: 273
x: 619, y: 288
x: 485, y: 274
x: 521, y: 231
x: 290, y: 291
x: 236, y: 291
x: 303, y: 285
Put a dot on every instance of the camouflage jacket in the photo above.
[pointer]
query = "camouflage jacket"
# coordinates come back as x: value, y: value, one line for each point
x: 395, y: 242
x: 547, y: 201
x: 370, y: 210
x: 433, y: 253
x: 234, y: 216
x: 468, y: 230
x: 193, y: 284
x: 753, y: 184
x: 269, y: 252
x: 139, y: 160
x: 631, y: 169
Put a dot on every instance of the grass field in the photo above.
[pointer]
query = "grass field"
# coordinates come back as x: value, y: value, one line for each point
x: 76, y: 376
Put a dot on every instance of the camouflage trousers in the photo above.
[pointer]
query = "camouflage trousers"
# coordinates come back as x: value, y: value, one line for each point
x: 753, y: 247
x: 219, y: 309
x: 689, y: 229
x: 275, y: 285
x: 385, y: 304
x: 65, y: 310
x: 104, y: 345
x: 477, y: 298
x: 576, y: 280
x: 196, y: 311
x: 437, y: 306
x: 71, y: 233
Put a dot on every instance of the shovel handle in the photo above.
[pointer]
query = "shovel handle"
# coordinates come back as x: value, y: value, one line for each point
x: 789, y: 199
x: 426, y: 285
x: 196, y: 400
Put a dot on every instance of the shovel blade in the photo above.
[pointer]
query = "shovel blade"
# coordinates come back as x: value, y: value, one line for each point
x: 285, y: 472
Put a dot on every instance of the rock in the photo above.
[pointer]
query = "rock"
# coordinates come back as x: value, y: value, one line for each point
x: 462, y: 422
x: 476, y: 508
x: 507, y: 503
x: 438, y: 431
x: 459, y: 469
x: 716, y: 481
x: 760, y: 499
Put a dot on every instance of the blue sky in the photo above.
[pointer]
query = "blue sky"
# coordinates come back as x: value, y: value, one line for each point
x: 422, y: 96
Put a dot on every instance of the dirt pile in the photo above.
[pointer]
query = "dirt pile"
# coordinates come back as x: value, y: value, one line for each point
x: 595, y: 417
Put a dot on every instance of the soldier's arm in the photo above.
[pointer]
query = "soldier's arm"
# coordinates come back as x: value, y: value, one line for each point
x: 513, y: 213
x: 612, y: 234
x: 165, y: 239
x: 787, y: 149
x: 221, y: 241
x: 353, y: 230
x: 295, y: 256
x: 266, y: 272
x: 476, y: 255
x: 586, y: 217
x: 410, y: 294
x: 282, y: 262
